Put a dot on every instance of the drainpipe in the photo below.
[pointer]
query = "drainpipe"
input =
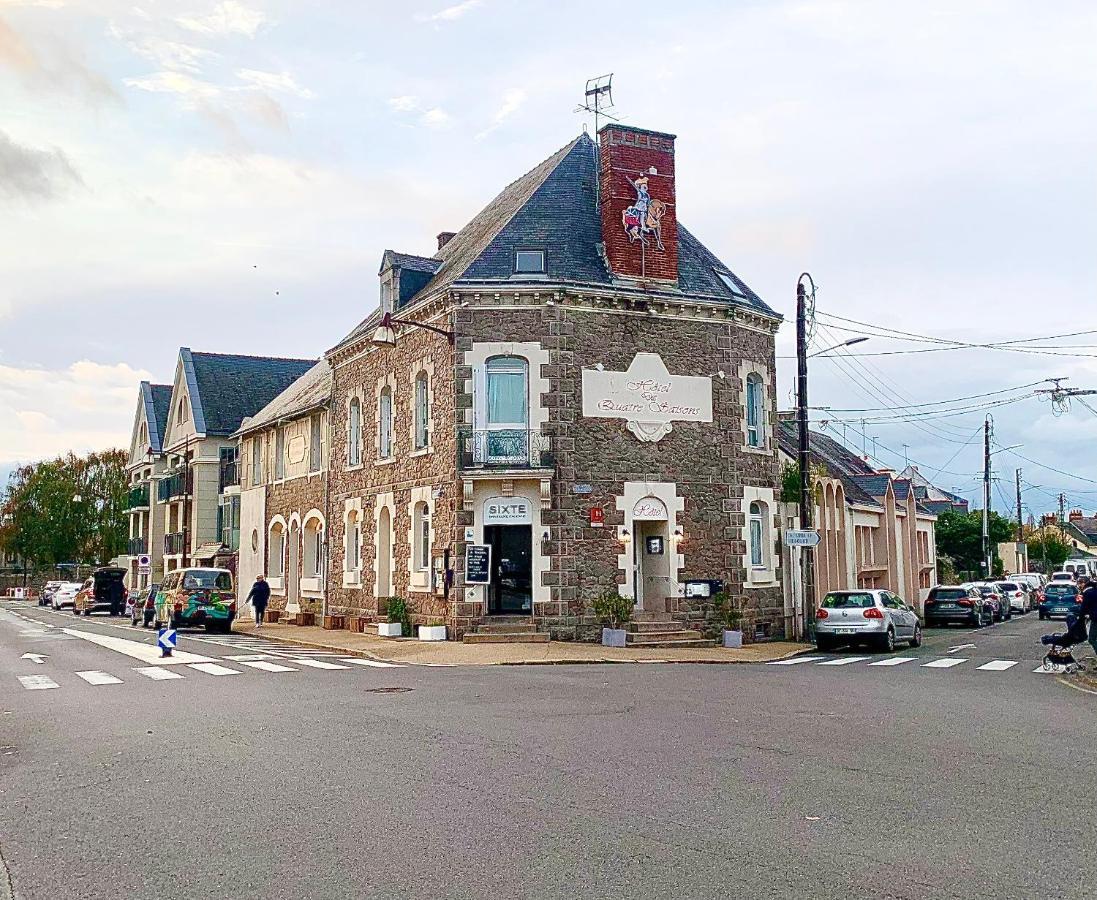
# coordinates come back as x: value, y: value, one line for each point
x: 327, y: 501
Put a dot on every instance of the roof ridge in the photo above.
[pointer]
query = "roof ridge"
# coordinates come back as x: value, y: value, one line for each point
x: 206, y: 355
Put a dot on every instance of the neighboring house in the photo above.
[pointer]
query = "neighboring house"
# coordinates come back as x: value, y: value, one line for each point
x: 283, y: 494
x: 598, y: 412
x: 1082, y: 529
x: 145, y: 467
x: 874, y: 532
x: 199, y: 488
x: 935, y: 499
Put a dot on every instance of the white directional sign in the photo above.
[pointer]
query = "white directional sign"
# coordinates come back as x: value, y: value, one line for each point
x: 801, y: 538
x: 166, y: 639
x: 34, y: 657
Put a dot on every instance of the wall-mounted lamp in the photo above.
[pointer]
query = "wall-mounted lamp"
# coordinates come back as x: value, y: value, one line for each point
x: 545, y: 536
x: 678, y: 535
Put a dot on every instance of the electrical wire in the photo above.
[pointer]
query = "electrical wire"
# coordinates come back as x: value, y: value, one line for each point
x: 1019, y: 387
x: 1049, y: 468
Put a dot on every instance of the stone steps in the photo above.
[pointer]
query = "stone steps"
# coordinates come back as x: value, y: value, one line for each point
x: 653, y: 625
x: 513, y: 637
x: 668, y: 643
x: 506, y: 628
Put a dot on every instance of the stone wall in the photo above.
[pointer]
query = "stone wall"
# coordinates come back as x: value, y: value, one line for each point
x: 292, y: 500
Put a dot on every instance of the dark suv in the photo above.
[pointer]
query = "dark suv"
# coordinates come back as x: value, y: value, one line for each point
x: 963, y: 603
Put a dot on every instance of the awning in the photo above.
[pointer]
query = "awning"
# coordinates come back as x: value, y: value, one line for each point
x: 206, y: 551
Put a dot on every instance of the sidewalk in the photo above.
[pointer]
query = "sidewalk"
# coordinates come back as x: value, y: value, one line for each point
x: 455, y: 653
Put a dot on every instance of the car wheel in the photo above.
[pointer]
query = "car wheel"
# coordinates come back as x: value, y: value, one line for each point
x: 822, y: 643
x: 889, y: 641
x: 916, y: 641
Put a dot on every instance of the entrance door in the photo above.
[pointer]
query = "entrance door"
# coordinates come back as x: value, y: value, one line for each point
x: 511, y: 589
x: 293, y: 570
x: 384, y: 553
x: 652, y: 556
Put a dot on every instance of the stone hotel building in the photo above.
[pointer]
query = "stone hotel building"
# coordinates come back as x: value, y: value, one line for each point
x: 574, y: 393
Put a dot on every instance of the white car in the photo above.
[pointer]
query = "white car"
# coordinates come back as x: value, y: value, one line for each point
x: 65, y: 595
x: 1062, y: 577
x: 1017, y: 593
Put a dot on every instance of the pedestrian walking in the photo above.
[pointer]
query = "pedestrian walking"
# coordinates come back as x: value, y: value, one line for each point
x: 258, y: 597
x: 1089, y: 608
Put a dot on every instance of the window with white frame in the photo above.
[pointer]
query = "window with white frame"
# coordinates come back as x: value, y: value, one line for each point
x: 506, y: 411
x: 757, y: 535
x: 756, y: 410
x: 354, y: 433
x: 256, y: 460
x: 143, y: 437
x: 312, y: 548
x: 276, y: 550
x: 529, y: 262
x: 422, y: 411
x: 384, y: 423
x: 421, y: 536
x: 279, y: 453
x: 352, y: 560
x: 315, y: 444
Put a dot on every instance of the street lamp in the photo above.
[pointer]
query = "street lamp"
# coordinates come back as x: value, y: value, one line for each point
x: 849, y: 343
x: 385, y: 334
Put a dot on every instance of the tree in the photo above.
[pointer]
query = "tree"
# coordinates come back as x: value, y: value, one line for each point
x: 960, y: 537
x: 1048, y: 548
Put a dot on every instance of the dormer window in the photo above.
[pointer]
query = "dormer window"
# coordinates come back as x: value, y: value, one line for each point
x: 386, y: 294
x: 729, y: 283
x: 529, y: 262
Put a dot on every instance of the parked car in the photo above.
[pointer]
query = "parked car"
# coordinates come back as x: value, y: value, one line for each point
x: 142, y: 606
x: 948, y: 603
x: 872, y: 617
x: 1060, y: 577
x: 1017, y: 594
x: 991, y: 594
x: 105, y: 590
x: 1060, y: 599
x: 48, y: 591
x: 65, y: 595
x: 196, y: 596
x: 1038, y: 579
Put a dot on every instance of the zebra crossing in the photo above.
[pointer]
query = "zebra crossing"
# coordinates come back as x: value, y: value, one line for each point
x: 919, y: 662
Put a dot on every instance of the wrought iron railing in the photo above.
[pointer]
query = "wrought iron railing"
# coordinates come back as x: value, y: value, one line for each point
x: 138, y: 497
x: 173, y: 543
x: 230, y: 474
x: 174, y: 484
x: 504, y: 448
x: 137, y: 546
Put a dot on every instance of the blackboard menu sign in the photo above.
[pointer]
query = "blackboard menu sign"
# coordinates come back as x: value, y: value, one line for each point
x: 477, y: 563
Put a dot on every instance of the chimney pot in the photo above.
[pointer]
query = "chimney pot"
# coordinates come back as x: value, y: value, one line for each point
x: 444, y: 237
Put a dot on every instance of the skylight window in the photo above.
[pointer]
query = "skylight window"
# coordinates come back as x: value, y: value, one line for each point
x: 729, y: 282
x: 529, y: 262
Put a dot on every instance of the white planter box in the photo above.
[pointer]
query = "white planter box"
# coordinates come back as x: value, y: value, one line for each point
x: 613, y: 637
x: 733, y: 640
x: 389, y: 629
x: 432, y: 632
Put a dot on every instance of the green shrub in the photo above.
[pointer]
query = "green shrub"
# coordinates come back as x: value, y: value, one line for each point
x: 398, y: 612
x: 612, y: 609
x: 729, y: 610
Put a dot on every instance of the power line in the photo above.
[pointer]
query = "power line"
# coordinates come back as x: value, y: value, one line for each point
x: 1020, y: 387
x: 1049, y: 468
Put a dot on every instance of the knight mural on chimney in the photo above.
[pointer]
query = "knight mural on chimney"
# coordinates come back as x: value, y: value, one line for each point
x: 645, y: 215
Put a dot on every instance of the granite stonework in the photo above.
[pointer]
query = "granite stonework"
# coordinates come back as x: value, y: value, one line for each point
x: 292, y: 500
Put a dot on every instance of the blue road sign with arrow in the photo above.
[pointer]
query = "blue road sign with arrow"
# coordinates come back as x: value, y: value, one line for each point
x: 166, y: 640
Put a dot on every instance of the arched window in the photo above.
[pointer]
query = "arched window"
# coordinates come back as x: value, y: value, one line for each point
x: 352, y: 561
x: 757, y: 535
x: 422, y: 411
x: 354, y: 433
x: 313, y: 548
x: 507, y: 409
x: 143, y: 437
x: 384, y: 424
x: 420, y: 534
x: 276, y: 547
x: 184, y: 410
x: 755, y: 411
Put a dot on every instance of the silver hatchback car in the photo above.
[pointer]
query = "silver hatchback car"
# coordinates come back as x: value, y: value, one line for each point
x: 872, y: 617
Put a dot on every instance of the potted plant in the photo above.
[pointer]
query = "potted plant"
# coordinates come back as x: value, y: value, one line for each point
x: 435, y: 631
x: 399, y: 622
x: 729, y: 613
x: 614, y: 611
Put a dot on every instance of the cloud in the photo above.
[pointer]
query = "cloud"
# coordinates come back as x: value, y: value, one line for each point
x: 171, y: 55
x: 450, y: 13
x: 87, y: 406
x: 29, y: 174
x: 180, y: 83
x: 226, y: 18
x: 51, y: 65
x: 512, y: 102
x: 436, y: 117
x: 267, y: 111
x: 272, y: 81
x: 406, y: 103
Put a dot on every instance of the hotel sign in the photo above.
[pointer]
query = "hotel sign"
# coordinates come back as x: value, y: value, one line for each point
x: 647, y: 397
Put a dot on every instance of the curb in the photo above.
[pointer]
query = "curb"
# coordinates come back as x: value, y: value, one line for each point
x: 366, y: 654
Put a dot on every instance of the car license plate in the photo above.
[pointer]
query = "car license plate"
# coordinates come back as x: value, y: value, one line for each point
x: 947, y: 605
x: 843, y: 631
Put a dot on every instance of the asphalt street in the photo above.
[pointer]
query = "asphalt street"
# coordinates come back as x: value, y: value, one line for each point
x: 291, y: 780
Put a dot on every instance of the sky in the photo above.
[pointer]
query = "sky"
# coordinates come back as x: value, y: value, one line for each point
x: 225, y: 175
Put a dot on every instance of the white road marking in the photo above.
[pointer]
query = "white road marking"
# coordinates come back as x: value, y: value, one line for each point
x: 892, y: 661
x: 211, y: 668
x: 372, y: 662
x: 943, y: 663
x: 146, y: 653
x: 959, y: 648
x: 845, y: 660
x: 265, y: 666
x: 319, y: 664
x: 1046, y: 670
x: 796, y: 660
x: 38, y: 682
x: 249, y: 657
x: 34, y: 657
x: 96, y: 677
x: 157, y: 674
x: 997, y: 665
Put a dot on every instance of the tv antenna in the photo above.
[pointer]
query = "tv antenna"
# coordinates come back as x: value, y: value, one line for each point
x: 597, y: 98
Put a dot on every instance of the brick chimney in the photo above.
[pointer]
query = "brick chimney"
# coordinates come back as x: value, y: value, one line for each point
x: 444, y: 238
x: 1075, y: 515
x: 636, y: 194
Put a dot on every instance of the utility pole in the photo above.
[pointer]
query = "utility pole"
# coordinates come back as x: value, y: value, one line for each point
x: 1020, y: 520
x: 1062, y: 510
x: 988, y: 561
x: 804, y: 457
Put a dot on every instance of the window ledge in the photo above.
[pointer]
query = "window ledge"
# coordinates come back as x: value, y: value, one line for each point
x: 757, y: 451
x: 275, y: 582
x: 352, y: 579
x: 770, y: 583
x: 388, y: 461
x: 356, y: 467
x: 422, y: 451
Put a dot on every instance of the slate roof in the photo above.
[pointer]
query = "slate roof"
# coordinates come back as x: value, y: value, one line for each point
x: 408, y: 261
x: 1085, y: 529
x: 309, y: 392
x: 157, y: 401
x: 225, y: 388
x: 554, y: 207
x: 839, y: 462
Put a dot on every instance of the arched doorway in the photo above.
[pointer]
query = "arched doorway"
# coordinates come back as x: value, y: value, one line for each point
x: 384, y: 553
x: 293, y: 569
x: 651, y: 555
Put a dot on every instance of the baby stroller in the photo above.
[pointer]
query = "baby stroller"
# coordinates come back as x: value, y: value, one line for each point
x: 1059, y: 658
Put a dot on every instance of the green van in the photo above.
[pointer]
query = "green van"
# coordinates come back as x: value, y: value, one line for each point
x: 195, y: 597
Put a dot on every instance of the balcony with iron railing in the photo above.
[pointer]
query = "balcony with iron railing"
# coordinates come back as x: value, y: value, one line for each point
x: 174, y: 485
x: 173, y: 543
x: 504, y: 448
x: 137, y: 546
x: 229, y: 475
x: 138, y: 497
